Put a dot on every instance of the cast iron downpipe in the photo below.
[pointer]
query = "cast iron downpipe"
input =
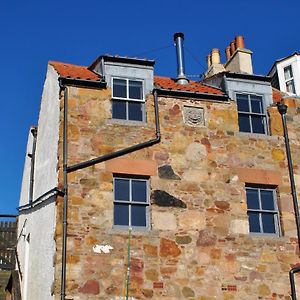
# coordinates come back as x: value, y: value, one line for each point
x: 282, y: 108
x: 32, y: 156
x: 65, y: 191
x: 88, y: 163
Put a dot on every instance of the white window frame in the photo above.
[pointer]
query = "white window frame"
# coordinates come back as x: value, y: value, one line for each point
x: 261, y: 211
x: 127, y: 99
x: 146, y: 204
x: 287, y: 80
x: 263, y: 115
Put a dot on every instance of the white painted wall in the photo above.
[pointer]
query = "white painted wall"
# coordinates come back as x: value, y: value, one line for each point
x: 41, y: 220
x: 294, y: 61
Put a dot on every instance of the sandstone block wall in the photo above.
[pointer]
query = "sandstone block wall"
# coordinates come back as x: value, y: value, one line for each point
x: 199, y: 246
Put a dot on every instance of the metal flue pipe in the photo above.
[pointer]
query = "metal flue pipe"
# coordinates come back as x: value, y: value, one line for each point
x: 178, y: 39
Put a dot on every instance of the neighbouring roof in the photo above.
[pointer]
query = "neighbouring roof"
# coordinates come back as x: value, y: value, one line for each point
x: 280, y: 60
x: 84, y: 73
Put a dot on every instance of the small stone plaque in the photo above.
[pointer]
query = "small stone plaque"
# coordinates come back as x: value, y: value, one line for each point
x: 193, y: 116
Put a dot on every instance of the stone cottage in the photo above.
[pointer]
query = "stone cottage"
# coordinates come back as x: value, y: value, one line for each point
x: 148, y: 187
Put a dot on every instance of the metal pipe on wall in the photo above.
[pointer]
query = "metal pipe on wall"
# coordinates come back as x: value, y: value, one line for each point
x: 65, y: 190
x: 32, y: 156
x: 282, y: 108
x: 88, y: 163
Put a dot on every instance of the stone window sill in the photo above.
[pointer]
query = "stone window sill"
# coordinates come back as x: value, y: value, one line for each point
x: 128, y: 123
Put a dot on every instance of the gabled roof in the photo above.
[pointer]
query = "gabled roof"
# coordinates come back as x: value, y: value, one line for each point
x: 74, y: 71
x: 167, y: 83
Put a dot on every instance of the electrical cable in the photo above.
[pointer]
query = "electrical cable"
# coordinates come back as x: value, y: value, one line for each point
x: 153, y: 50
x: 194, y: 58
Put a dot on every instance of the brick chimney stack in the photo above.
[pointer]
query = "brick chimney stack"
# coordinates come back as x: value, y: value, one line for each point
x: 239, y: 59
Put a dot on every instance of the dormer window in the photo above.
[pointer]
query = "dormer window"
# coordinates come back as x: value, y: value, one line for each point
x: 251, y: 113
x: 128, y: 101
x: 289, y: 80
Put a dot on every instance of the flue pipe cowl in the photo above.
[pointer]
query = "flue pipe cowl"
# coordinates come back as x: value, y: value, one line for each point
x: 178, y: 39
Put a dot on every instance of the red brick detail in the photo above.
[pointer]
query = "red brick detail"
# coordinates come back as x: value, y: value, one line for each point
x: 232, y: 288
x: 90, y: 287
x: 132, y: 166
x: 158, y: 285
x: 259, y: 176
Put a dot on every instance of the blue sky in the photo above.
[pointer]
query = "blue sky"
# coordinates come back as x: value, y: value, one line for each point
x: 33, y: 32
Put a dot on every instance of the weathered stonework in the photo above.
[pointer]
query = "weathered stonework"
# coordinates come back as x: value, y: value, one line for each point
x: 198, y: 246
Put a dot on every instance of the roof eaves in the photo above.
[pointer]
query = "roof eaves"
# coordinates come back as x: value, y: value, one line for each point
x: 82, y: 82
x: 123, y: 59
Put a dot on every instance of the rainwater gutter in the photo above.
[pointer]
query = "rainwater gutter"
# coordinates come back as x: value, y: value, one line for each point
x: 68, y: 169
x: 282, y: 108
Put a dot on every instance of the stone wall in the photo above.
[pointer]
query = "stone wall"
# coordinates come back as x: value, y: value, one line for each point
x: 199, y: 246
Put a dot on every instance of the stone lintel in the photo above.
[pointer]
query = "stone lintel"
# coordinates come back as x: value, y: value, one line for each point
x: 259, y: 176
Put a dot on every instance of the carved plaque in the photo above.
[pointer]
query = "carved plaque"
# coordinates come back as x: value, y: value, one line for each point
x: 193, y: 116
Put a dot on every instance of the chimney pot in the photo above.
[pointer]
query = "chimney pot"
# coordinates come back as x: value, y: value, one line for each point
x: 208, y: 59
x: 227, y: 51
x: 239, y: 41
x: 215, y: 56
x: 232, y: 47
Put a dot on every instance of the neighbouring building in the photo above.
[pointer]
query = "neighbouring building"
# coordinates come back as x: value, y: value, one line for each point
x: 285, y: 74
x: 152, y: 187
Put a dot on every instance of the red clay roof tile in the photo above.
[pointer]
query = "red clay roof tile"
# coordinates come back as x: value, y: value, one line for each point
x: 74, y: 71
x: 277, y: 95
x: 193, y: 86
x: 82, y: 72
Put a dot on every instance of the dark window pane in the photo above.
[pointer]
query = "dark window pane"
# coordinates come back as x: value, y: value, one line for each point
x: 139, y: 191
x: 119, y: 88
x: 121, y: 214
x: 267, y: 200
x: 254, y: 222
x: 138, y: 215
x: 122, y: 189
x: 290, y: 87
x: 288, y: 73
x: 252, y: 199
x: 119, y: 109
x: 268, y: 223
x: 242, y: 102
x: 135, y: 89
x: 135, y: 111
x: 244, y: 123
x: 256, y: 104
x: 257, y: 124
